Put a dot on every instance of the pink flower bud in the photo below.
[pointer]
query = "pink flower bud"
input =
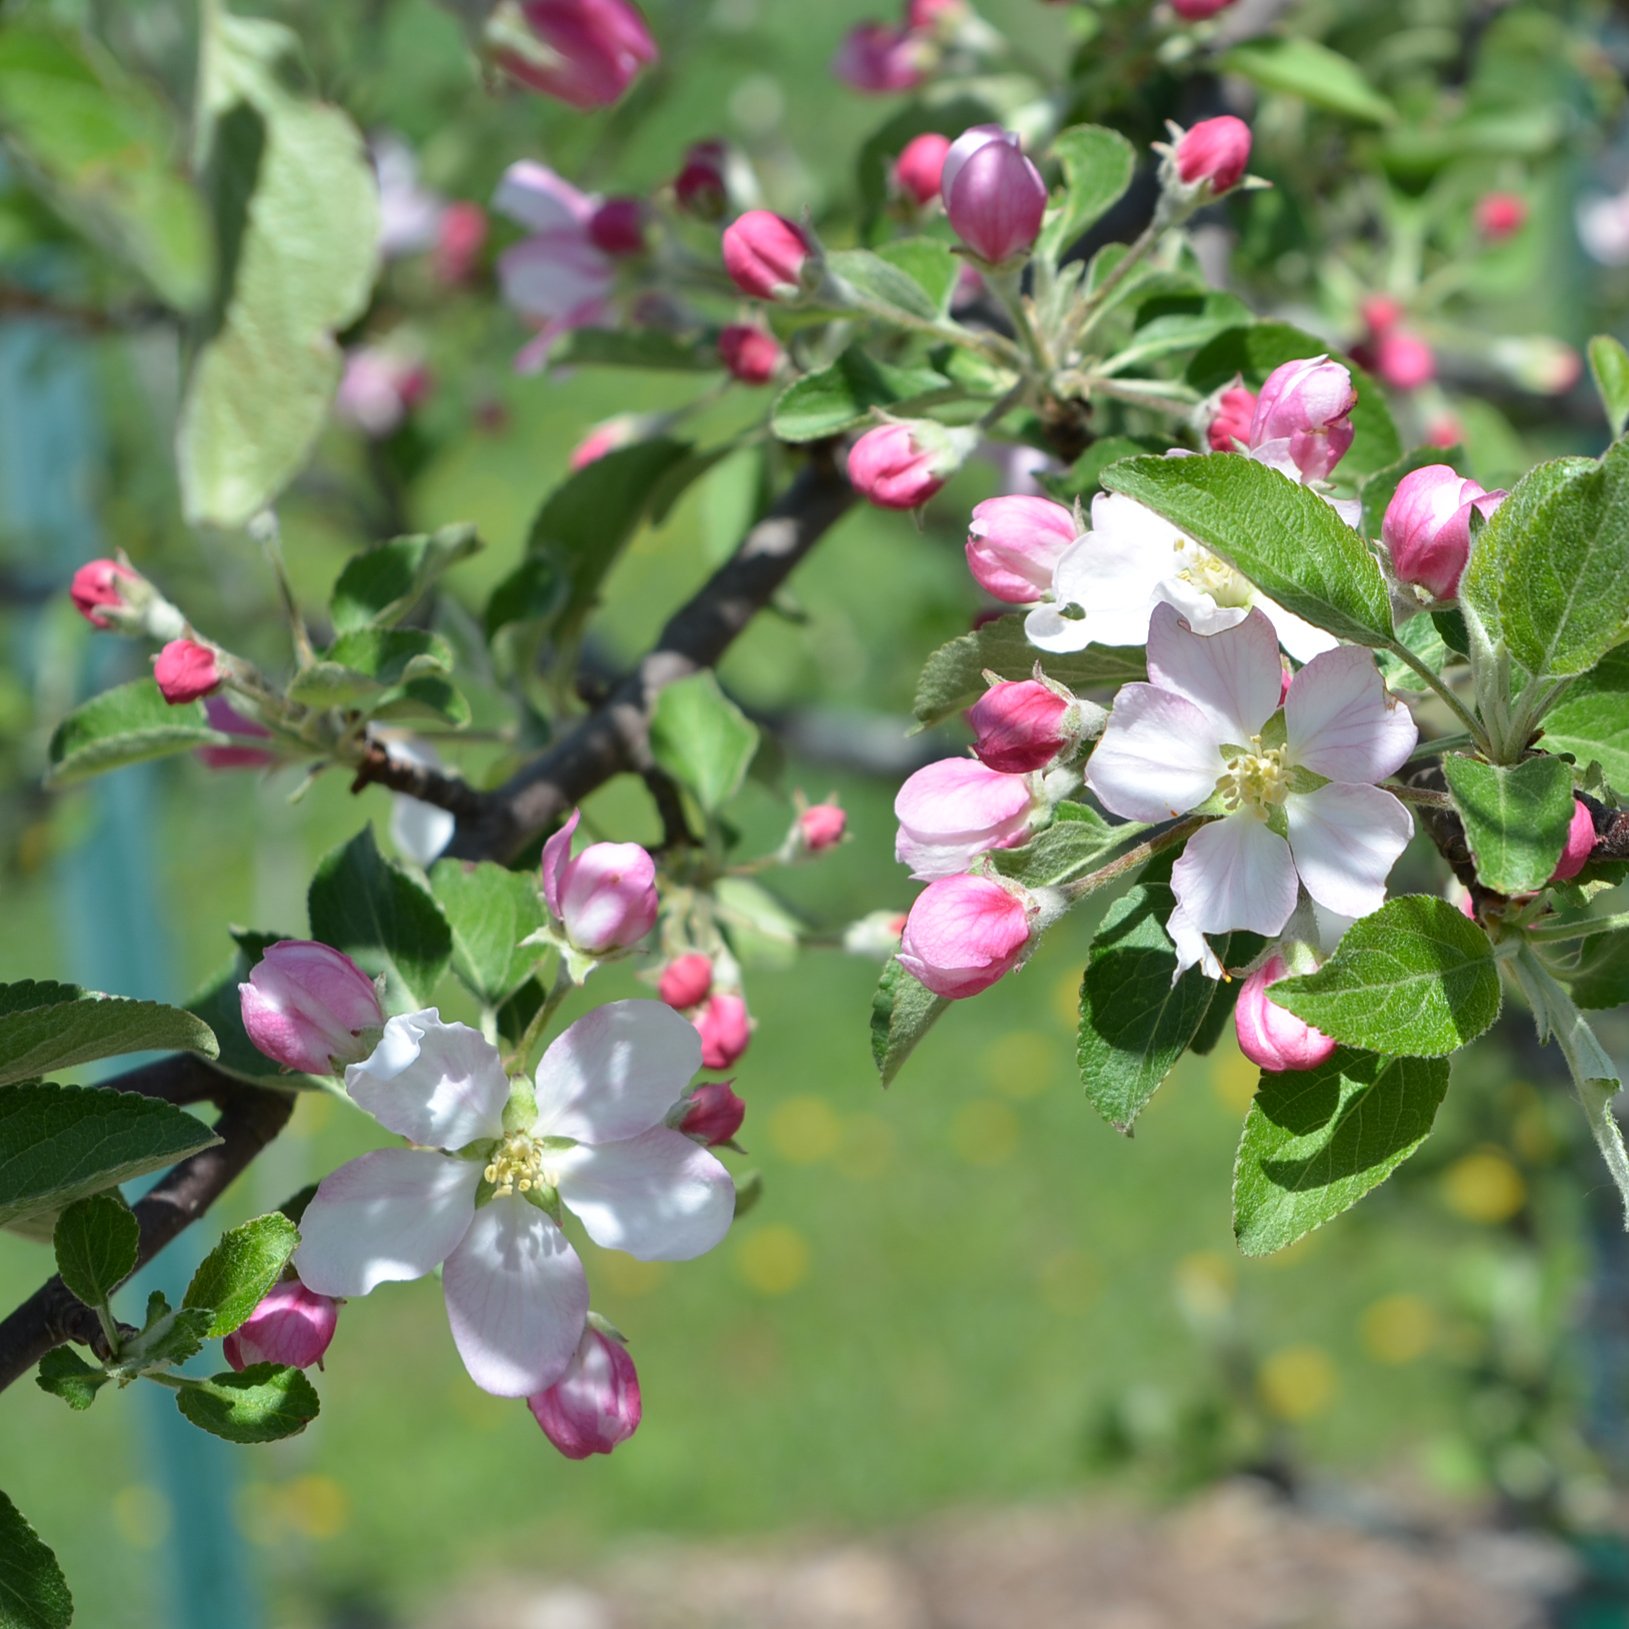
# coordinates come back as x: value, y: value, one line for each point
x: 1427, y: 527
x: 1579, y: 846
x: 1196, y: 11
x: 821, y: 826
x: 1303, y: 417
x: 994, y: 197
x: 700, y: 188
x: 927, y: 15
x: 460, y: 237
x: 1271, y: 1036
x: 725, y: 1028
x: 595, y: 1404
x: 1014, y: 543
x: 1235, y: 412
x: 605, y: 898
x: 1446, y: 431
x: 95, y: 588
x: 954, y: 810
x: 309, y: 1007
x: 750, y: 354
x: 901, y: 466
x: 1020, y: 725
x: 879, y: 60
x: 186, y: 671
x: 621, y: 431
x: 1380, y: 313
x: 686, y: 980
x: 617, y: 227
x: 590, y: 50
x: 965, y: 933
x: 766, y: 255
x: 378, y: 389
x: 1403, y: 360
x: 226, y: 719
x: 1214, y: 153
x: 920, y: 166
x: 1500, y: 215
x: 714, y: 1114
x: 292, y: 1325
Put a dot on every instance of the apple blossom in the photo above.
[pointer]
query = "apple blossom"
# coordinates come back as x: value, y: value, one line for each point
x: 309, y: 1007
x: 686, y: 980
x: 419, y: 830
x: 767, y: 256
x: 1580, y: 843
x: 186, y: 670
x: 617, y: 227
x: 994, y: 197
x: 1014, y: 545
x: 460, y: 237
x: 482, y: 1187
x: 965, y: 933
x: 1195, y: 11
x: 1213, y: 154
x: 712, y: 1113
x: 409, y: 213
x: 902, y: 465
x: 1403, y: 360
x: 98, y: 587
x: 1426, y: 529
x: 1300, y: 802
x: 605, y: 898
x: 725, y: 1028
x: 1235, y: 411
x: 585, y: 53
x: 1022, y: 725
x: 878, y: 59
x: 1500, y: 215
x: 595, y: 1404
x: 1271, y: 1036
x: 750, y: 354
x: 954, y: 810
x: 1303, y: 423
x: 700, y: 188
x: 821, y: 826
x: 920, y: 166
x: 380, y: 386
x: 227, y: 720
x: 292, y: 1325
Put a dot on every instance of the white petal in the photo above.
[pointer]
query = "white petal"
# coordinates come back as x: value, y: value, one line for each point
x: 396, y: 1213
x: 1234, y: 676
x: 1159, y: 755
x: 555, y: 278
x: 1346, y: 839
x: 1299, y: 638
x: 1235, y: 873
x: 1191, y: 948
x: 420, y: 831
x: 1198, y: 609
x: 535, y: 197
x: 1341, y: 722
x: 517, y: 1299
x: 658, y: 1196
x: 438, y: 1085
x: 616, y: 1072
x: 1046, y: 628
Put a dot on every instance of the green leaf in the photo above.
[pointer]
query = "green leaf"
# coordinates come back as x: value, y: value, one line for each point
x: 385, y: 919
x: 59, y: 1143
x: 240, y: 1271
x: 1591, y: 722
x: 929, y: 264
x: 1281, y: 535
x: 364, y: 665
x: 1084, y: 478
x: 126, y: 725
x: 263, y: 1403
x: 1415, y: 978
x: 1135, y: 1022
x: 1609, y: 367
x: 381, y: 585
x: 702, y: 739
x: 490, y: 910
x: 166, y: 1337
x: 1070, y: 847
x: 1600, y: 976
x: 296, y: 209
x: 1422, y: 636
x: 1298, y: 66
x: 840, y: 396
x: 884, y: 289
x: 33, y: 1592
x: 648, y: 348
x: 1315, y: 1141
x: 96, y: 1242
x: 1098, y: 165
x: 104, y: 147
x: 954, y: 676
x: 65, y: 1374
x: 1516, y: 817
x: 1168, y: 322
x: 902, y: 1012
x: 761, y: 930
x: 46, y: 1028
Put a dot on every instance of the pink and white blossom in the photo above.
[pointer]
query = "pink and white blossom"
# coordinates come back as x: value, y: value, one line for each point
x: 919, y: 169
x: 1271, y: 1036
x: 1014, y: 545
x: 725, y: 1028
x: 1213, y: 154
x: 1580, y: 843
x: 965, y: 933
x: 605, y: 898
x: 309, y: 1007
x: 878, y: 59
x: 1021, y: 725
x: 1303, y: 418
x: 687, y: 980
x: 585, y: 53
x: 821, y: 826
x: 292, y: 1325
x: 994, y: 197
x: 713, y: 1113
x: 1426, y: 529
x: 768, y: 256
x: 595, y: 1404
x: 955, y: 810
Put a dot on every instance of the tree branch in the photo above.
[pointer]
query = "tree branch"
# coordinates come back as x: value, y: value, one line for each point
x: 450, y: 792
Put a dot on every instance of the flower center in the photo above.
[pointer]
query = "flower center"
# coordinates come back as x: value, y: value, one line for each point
x: 1256, y: 780
x: 517, y: 1166
x: 1212, y: 576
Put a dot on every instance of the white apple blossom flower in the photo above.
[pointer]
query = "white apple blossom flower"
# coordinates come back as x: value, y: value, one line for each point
x: 1298, y: 794
x: 419, y: 830
x: 482, y: 1189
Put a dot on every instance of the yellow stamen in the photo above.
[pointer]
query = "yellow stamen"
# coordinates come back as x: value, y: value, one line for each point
x: 1254, y: 780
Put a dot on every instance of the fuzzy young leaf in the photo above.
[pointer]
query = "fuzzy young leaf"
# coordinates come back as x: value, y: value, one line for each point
x: 1297, y: 66
x: 490, y: 910
x: 1070, y: 847
x: 128, y: 724
x: 1282, y: 536
x: 702, y: 739
x: 928, y: 263
x: 902, y: 1012
x: 648, y: 349
x: 1600, y: 976
x: 1609, y: 367
x: 1591, y: 722
x: 1097, y: 168
x: 1415, y: 979
x: 381, y: 585
x: 884, y: 288
x: 761, y: 931
x: 1317, y: 1140
x: 167, y: 1337
x: 33, y: 1592
x: 1516, y: 817
x: 262, y: 1403
x: 240, y: 1271
x: 46, y: 1028
x: 65, y: 1374
x: 96, y: 1241
x: 843, y: 394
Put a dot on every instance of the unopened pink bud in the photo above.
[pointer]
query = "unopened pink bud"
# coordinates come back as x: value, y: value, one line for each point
x: 605, y: 898
x: 95, y: 588
x: 292, y: 1326
x: 595, y: 1404
x: 309, y: 1007
x: 1446, y: 431
x: 226, y: 719
x: 1196, y: 11
x: 879, y: 60
x: 1271, y: 1036
x: 1020, y: 726
x: 1014, y: 543
x: 460, y: 237
x: 1500, y: 215
x: 592, y: 49
x: 821, y: 826
x: 1427, y: 527
x: 750, y: 354
x: 725, y: 1028
x: 926, y: 15
x: 965, y: 933
x: 686, y: 980
x: 1214, y: 153
x: 766, y: 255
x: 617, y: 227
x: 1380, y: 313
x: 700, y: 189
x: 920, y: 166
x: 714, y: 1113
x: 994, y: 197
x: 898, y: 466
x: 186, y: 671
x: 1303, y: 417
x: 1403, y: 360
x: 1580, y: 844
x: 952, y: 811
x: 1235, y: 412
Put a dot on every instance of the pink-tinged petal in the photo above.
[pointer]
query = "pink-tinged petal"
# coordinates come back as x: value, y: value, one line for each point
x: 438, y: 1085
x: 517, y: 1299
x: 659, y: 1196
x: 533, y: 196
x: 1234, y: 675
x: 1346, y: 839
x: 1191, y: 949
x: 1235, y: 873
x: 394, y: 1214
x: 1159, y: 755
x: 616, y: 1072
x: 556, y: 857
x: 1341, y: 721
x: 1299, y: 638
x: 556, y: 279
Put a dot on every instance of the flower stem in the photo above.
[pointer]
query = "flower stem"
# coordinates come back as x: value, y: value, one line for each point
x: 268, y: 534
x: 1095, y: 304
x: 1466, y: 717
x: 1134, y: 857
x: 1422, y: 796
x: 533, y: 1033
x: 1561, y: 932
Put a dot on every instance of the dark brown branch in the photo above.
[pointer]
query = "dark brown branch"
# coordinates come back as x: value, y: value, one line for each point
x: 450, y: 792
